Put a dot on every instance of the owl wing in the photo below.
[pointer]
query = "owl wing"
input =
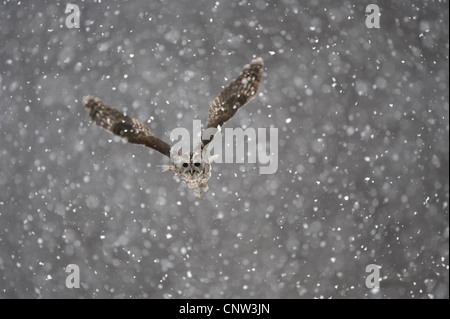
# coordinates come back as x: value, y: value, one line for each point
x: 234, y: 96
x: 114, y: 121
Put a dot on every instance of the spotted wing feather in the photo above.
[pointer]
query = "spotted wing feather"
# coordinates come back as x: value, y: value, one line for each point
x: 235, y: 95
x: 114, y: 121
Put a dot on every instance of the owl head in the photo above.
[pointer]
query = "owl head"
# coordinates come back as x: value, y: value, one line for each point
x: 193, y: 168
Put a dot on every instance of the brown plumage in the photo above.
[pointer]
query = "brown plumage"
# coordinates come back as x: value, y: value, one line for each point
x: 193, y: 168
x: 133, y: 130
x: 235, y: 95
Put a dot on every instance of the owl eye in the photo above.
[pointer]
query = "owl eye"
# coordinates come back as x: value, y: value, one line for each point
x: 185, y: 165
x: 197, y: 164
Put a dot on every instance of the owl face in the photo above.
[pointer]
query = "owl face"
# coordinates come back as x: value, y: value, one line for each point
x: 190, y: 170
x: 193, y: 168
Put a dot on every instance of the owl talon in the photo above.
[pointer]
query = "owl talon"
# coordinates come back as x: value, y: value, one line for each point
x: 198, y: 193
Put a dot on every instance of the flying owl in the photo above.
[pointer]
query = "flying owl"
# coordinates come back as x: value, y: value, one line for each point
x: 193, y: 168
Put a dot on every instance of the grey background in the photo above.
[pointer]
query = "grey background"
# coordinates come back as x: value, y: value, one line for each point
x: 363, y: 171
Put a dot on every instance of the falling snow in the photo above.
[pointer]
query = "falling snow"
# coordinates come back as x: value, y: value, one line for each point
x: 363, y: 119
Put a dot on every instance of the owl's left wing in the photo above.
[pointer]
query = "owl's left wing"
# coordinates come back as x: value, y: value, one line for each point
x: 234, y: 96
x: 114, y: 121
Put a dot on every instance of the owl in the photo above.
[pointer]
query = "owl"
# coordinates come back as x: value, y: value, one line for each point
x: 194, y: 167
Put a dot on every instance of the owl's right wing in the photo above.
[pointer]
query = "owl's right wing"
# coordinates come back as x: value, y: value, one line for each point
x: 114, y: 121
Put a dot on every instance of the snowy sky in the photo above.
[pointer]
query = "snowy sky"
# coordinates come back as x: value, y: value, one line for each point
x: 363, y: 119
